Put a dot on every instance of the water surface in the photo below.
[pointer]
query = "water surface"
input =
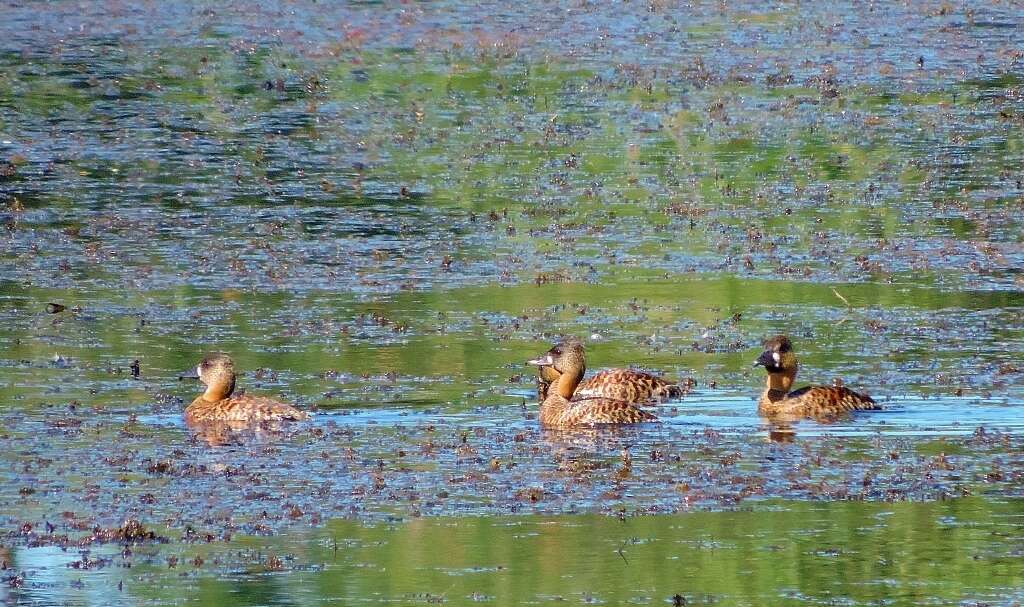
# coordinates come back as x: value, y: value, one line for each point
x: 780, y: 553
x: 380, y: 211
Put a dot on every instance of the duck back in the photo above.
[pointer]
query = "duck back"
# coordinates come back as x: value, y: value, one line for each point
x: 628, y: 385
x: 817, y: 401
x: 242, y: 409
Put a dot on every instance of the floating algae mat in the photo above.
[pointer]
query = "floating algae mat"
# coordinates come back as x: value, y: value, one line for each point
x: 381, y: 210
x: 967, y: 551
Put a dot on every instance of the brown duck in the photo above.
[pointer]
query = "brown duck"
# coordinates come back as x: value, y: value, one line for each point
x: 626, y: 385
x: 811, y: 401
x: 217, y: 404
x: 564, y: 407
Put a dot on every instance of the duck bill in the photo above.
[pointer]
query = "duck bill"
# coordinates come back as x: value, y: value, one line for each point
x: 190, y: 374
x: 542, y: 361
x: 767, y: 359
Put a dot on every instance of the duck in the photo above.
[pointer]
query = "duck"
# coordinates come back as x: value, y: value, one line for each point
x: 217, y: 404
x: 778, y: 398
x: 563, y: 407
x: 627, y: 385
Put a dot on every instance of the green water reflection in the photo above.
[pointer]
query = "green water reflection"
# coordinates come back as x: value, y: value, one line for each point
x: 389, y: 206
x: 446, y: 346
x: 781, y: 553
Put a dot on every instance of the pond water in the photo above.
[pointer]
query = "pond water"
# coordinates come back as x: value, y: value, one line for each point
x: 382, y: 210
x: 965, y: 551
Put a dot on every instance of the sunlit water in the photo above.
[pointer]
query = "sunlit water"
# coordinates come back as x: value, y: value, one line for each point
x: 381, y: 210
x: 782, y: 553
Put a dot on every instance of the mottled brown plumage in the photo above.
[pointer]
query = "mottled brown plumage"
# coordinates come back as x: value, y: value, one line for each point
x: 626, y: 385
x: 546, y: 375
x: 812, y: 401
x: 635, y: 387
x: 562, y: 409
x: 217, y: 404
x: 630, y: 386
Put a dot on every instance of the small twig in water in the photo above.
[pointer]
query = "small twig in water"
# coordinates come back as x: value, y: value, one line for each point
x: 841, y: 297
x: 622, y: 554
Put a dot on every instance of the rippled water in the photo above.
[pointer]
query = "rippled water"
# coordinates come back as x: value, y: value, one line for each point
x: 380, y: 211
x: 781, y: 554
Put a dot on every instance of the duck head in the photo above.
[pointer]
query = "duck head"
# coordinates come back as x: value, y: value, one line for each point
x: 779, y: 360
x: 564, y: 363
x: 217, y: 372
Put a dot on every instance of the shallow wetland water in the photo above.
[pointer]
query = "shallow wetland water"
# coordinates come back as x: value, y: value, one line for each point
x: 382, y: 210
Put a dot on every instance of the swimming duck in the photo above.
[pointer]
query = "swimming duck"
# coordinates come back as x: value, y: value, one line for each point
x: 811, y: 401
x: 620, y: 384
x: 217, y: 371
x: 563, y: 407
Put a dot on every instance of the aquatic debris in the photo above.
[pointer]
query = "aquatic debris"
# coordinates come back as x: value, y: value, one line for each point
x: 55, y: 308
x: 87, y: 562
x: 530, y: 494
x: 161, y: 467
x: 130, y: 532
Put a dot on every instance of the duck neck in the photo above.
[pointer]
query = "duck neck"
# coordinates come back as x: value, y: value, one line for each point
x: 779, y: 384
x: 566, y: 384
x: 219, y: 390
x: 556, y: 403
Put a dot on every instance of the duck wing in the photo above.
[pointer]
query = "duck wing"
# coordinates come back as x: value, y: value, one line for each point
x: 243, y: 409
x: 627, y: 385
x: 824, y: 401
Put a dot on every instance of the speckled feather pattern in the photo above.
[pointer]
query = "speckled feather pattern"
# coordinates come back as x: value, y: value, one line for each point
x: 815, y: 401
x: 242, y: 409
x: 626, y: 385
x: 564, y: 364
x: 556, y: 411
x: 779, y: 360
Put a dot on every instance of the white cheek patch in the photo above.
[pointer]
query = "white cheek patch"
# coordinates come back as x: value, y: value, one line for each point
x: 776, y: 357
